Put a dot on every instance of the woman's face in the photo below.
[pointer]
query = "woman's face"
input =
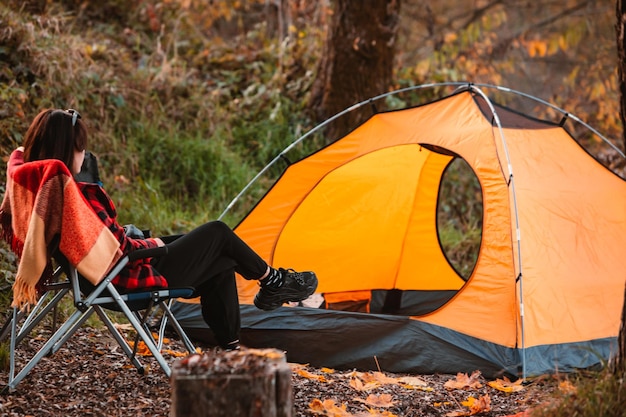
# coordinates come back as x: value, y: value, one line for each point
x: 79, y: 157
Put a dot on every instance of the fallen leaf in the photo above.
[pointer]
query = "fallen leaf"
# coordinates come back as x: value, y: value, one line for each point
x: 328, y: 407
x: 476, y: 406
x: 266, y: 353
x: 413, y: 381
x: 123, y: 326
x: 317, y: 407
x: 382, y: 400
x: 309, y: 375
x: 142, y: 348
x: 567, y: 387
x: 463, y: 381
x: 297, y: 366
x: 481, y: 405
x: 469, y: 402
x: 506, y: 385
x: 174, y: 353
x: 359, y: 385
x: 384, y: 379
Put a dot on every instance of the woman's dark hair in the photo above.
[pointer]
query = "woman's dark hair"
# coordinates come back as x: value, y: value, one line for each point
x: 55, y: 134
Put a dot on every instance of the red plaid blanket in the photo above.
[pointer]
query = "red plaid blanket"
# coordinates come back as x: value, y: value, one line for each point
x: 42, y: 201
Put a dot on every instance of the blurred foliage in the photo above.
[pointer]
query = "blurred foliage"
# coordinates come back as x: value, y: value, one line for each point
x: 588, y: 394
x: 186, y: 101
x: 561, y: 51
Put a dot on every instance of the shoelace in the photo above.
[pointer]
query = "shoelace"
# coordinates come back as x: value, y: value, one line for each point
x: 298, y: 276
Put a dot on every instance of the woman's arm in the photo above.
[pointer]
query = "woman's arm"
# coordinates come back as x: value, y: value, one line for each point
x: 102, y: 204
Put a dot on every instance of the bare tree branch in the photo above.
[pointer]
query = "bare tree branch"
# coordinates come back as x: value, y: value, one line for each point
x: 501, y: 47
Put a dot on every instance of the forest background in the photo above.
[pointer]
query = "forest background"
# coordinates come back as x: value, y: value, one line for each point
x: 186, y: 100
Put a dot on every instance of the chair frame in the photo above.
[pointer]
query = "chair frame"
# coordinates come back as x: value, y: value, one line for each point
x: 129, y: 304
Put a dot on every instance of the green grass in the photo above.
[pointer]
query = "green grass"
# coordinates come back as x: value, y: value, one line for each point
x: 601, y: 394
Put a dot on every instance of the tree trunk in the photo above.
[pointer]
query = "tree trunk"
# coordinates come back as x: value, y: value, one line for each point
x: 247, y: 382
x: 620, y: 31
x: 620, y: 360
x: 357, y: 62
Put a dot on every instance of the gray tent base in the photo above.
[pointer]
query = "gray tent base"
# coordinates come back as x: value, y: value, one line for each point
x: 347, y: 340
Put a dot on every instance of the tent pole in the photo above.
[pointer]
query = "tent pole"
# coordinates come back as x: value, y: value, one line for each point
x: 511, y: 182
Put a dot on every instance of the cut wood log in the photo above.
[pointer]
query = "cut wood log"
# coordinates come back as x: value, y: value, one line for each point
x: 246, y: 382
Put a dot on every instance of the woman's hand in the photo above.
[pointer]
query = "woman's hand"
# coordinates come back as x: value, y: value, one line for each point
x: 159, y: 241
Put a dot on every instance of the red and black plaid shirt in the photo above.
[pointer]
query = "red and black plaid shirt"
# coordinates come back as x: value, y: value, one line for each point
x: 138, y: 274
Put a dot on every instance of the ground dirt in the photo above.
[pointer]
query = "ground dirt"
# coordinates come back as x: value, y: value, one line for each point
x: 91, y: 376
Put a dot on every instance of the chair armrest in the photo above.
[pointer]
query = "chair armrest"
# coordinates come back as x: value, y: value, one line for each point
x: 147, y: 253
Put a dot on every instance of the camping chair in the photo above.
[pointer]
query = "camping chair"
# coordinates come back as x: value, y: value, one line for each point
x: 137, y: 307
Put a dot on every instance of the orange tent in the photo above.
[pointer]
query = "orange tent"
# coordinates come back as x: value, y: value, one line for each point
x: 547, y: 289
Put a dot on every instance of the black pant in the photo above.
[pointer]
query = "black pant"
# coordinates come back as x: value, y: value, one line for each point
x: 206, y: 259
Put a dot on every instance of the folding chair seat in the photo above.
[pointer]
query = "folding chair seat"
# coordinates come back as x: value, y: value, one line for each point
x: 137, y: 307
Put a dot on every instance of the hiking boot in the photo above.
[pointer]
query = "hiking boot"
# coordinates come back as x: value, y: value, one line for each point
x: 296, y: 286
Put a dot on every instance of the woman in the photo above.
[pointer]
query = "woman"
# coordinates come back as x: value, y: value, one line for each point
x: 205, y: 258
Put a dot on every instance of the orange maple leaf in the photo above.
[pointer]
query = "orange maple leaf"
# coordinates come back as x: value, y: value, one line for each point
x: 463, y: 381
x: 359, y: 385
x: 328, y: 407
x: 476, y: 406
x: 384, y: 379
x: 174, y: 353
x: 506, y: 385
x: 481, y: 405
x: 309, y: 375
x: 142, y: 348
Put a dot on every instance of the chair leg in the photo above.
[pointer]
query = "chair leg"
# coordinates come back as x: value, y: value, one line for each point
x: 147, y: 339
x: 121, y: 341
x: 34, y: 317
x: 71, y: 330
x: 38, y: 313
x: 167, y: 314
x: 143, y: 319
x: 7, y: 327
x: 19, y: 331
x: 14, y: 320
x: 60, y: 334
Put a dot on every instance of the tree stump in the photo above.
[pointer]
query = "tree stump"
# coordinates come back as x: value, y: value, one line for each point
x: 246, y: 382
